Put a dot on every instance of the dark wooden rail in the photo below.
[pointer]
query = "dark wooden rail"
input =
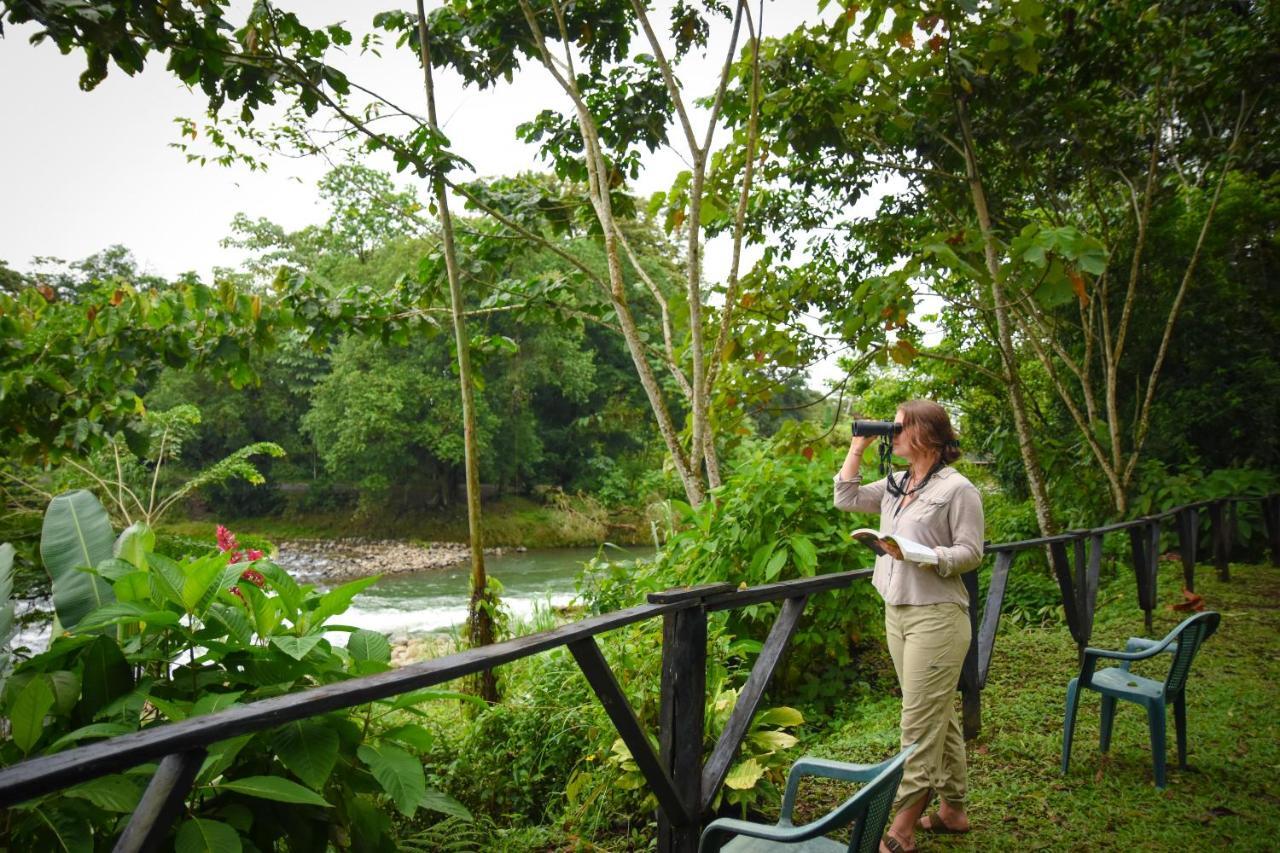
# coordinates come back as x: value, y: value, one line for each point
x: 683, y: 784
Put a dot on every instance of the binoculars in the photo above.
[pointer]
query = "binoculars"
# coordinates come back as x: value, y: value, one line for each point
x: 881, y: 428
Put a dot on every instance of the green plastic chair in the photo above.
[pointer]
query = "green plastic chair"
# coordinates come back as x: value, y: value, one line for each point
x: 867, y: 811
x: 1119, y: 683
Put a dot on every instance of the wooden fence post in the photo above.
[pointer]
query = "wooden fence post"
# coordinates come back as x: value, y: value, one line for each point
x: 1144, y: 543
x: 1188, y: 536
x: 681, y: 716
x: 1220, y: 535
x: 1271, y: 519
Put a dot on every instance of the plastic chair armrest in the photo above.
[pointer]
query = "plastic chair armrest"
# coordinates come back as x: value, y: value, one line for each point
x: 732, y: 826
x: 1148, y: 652
x: 1139, y: 644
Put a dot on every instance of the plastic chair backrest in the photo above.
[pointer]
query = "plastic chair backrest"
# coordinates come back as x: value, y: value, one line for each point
x: 879, y: 795
x: 1190, y: 635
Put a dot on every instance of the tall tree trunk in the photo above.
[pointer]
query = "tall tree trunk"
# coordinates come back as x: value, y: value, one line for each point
x: 480, y: 631
x: 1004, y: 332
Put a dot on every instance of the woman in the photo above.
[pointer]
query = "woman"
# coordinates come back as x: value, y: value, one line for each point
x: 926, y: 607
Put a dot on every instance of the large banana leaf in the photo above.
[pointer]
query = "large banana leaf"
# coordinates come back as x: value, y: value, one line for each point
x: 77, y: 534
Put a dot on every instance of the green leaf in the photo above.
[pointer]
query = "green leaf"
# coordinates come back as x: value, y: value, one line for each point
x: 780, y: 716
x: 296, y: 647
x: 771, y: 740
x: 221, y: 756
x: 105, y: 677
x: 286, y: 588
x: 71, y: 832
x: 369, y: 645
x: 26, y: 717
x: 135, y: 543
x: 135, y: 586
x: 93, y: 730
x: 127, y: 612
x: 806, y: 554
x: 206, y: 836
x: 398, y: 772
x: 744, y: 775
x: 199, y: 580
x: 66, y: 690
x: 338, y: 599
x: 411, y: 735
x: 439, y: 801
x: 115, y: 569
x: 774, y: 567
x: 274, y: 788
x: 76, y: 534
x: 309, y: 749
x: 213, y: 702
x: 118, y: 794
x: 417, y: 697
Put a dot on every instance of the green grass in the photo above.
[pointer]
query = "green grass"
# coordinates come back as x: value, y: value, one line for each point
x: 507, y: 522
x: 1230, y: 795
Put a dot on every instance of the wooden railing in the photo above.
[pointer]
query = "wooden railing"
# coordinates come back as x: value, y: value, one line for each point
x: 683, y: 784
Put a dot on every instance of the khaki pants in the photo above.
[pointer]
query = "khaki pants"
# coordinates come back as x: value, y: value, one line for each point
x: 928, y: 643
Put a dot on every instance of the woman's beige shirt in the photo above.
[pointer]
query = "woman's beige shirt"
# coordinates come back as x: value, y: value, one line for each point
x: 946, y: 515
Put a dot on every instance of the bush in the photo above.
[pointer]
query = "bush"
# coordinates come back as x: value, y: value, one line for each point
x: 148, y: 639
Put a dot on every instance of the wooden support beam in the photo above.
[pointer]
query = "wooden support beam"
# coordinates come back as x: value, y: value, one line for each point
x: 1062, y: 571
x: 970, y: 689
x: 609, y: 692
x: 991, y: 613
x: 161, y: 803
x: 717, y: 767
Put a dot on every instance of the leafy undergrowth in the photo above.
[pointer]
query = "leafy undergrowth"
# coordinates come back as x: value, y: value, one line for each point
x: 1230, y: 795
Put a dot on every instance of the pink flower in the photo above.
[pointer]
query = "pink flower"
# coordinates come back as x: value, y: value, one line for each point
x: 254, y: 554
x: 226, y: 540
x: 254, y: 577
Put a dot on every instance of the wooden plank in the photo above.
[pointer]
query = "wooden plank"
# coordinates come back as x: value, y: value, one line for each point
x: 615, y: 703
x: 681, y: 719
x: 161, y: 803
x: 970, y: 689
x: 1062, y: 571
x: 726, y: 748
x: 50, y: 773
x: 685, y: 593
x: 991, y: 613
x: 1025, y: 544
x: 785, y: 589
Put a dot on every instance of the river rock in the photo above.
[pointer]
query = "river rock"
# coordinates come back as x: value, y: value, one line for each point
x: 334, y: 559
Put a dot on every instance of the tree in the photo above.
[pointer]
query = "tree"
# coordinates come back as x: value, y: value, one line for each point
x: 1001, y: 131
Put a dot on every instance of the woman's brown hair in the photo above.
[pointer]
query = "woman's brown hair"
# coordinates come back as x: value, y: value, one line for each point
x: 932, y: 427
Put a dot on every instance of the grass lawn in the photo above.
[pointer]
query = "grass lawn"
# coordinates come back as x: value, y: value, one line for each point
x: 1229, y: 796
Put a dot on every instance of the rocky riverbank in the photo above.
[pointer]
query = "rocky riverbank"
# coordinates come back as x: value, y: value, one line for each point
x: 339, y: 559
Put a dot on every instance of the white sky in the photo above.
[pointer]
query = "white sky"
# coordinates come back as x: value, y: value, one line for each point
x: 88, y: 170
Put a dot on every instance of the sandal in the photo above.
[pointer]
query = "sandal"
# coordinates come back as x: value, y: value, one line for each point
x: 894, y: 845
x: 936, y: 826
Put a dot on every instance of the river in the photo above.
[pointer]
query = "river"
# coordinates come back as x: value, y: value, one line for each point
x: 436, y: 601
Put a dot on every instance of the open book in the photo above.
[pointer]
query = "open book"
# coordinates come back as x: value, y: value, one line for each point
x: 912, y: 551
